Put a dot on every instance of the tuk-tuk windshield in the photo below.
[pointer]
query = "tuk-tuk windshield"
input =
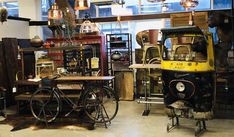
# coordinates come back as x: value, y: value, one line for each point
x: 185, y: 48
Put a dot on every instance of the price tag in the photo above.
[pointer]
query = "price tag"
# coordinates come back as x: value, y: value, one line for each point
x: 14, y: 89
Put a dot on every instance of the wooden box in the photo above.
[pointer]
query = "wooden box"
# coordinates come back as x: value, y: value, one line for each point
x: 182, y: 19
x: 124, y: 85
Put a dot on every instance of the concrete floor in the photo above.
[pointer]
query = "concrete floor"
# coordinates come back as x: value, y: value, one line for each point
x: 130, y: 123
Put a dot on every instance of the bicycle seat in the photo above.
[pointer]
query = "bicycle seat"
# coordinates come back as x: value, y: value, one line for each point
x: 49, y: 81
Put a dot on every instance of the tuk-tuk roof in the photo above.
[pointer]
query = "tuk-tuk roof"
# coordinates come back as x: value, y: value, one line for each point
x: 181, y: 30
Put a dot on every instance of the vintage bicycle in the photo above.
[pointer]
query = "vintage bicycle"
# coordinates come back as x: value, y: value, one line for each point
x: 98, y: 101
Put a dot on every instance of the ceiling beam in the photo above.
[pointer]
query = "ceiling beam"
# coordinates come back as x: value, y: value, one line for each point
x: 125, y: 18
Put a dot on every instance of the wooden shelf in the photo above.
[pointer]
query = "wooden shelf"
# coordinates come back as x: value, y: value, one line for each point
x: 43, y: 97
x: 27, y: 82
x: 55, y: 48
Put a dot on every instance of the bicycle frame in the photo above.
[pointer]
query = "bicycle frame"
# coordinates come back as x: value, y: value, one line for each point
x: 99, y: 103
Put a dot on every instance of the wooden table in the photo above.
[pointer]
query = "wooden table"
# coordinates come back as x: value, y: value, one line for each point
x: 79, y: 81
x: 85, y: 78
x: 66, y: 83
x: 145, y: 66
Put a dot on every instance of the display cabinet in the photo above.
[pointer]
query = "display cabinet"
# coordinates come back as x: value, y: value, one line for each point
x: 119, y: 51
x: 63, y: 51
x: 84, y: 67
x: 97, y: 43
x: 78, y: 61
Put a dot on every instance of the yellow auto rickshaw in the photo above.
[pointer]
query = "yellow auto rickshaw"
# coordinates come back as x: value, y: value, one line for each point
x: 188, y: 75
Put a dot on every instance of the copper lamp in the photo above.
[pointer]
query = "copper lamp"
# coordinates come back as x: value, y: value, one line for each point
x: 54, y: 12
x: 189, y: 3
x: 81, y: 5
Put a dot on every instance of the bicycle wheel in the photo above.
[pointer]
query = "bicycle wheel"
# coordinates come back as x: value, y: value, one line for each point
x: 45, y: 104
x: 101, y: 104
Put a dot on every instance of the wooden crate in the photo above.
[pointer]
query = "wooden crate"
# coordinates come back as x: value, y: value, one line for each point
x: 124, y: 85
x: 200, y: 19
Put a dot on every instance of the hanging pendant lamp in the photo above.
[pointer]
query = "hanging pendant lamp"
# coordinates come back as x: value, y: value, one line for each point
x: 54, y: 12
x: 81, y: 5
x: 189, y: 3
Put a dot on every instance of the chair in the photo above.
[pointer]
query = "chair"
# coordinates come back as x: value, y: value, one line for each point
x: 150, y: 51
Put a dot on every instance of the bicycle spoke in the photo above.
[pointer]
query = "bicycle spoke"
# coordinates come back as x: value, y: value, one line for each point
x: 44, y: 115
x: 51, y: 114
x: 45, y: 105
x: 105, y: 111
x: 40, y: 112
x: 101, y: 105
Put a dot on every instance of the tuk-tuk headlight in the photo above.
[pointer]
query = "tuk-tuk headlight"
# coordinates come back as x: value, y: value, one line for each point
x: 180, y: 86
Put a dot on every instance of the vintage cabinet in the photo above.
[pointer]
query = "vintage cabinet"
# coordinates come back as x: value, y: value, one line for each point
x: 8, y: 65
x: 84, y: 67
x: 97, y: 42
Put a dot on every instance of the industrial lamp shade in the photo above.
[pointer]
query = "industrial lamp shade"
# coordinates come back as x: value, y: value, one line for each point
x: 189, y: 3
x: 81, y: 5
x: 54, y: 12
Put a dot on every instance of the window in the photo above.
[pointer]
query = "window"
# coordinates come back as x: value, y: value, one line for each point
x: 12, y: 7
x: 137, y: 7
x: 222, y: 4
x: 45, y: 5
x: 115, y: 27
x: 91, y: 11
x: 186, y: 48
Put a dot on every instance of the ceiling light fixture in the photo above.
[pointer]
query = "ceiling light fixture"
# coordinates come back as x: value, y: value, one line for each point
x: 81, y: 5
x: 189, y: 3
x: 54, y: 12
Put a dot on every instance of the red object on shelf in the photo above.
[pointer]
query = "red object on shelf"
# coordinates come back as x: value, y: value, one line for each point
x: 55, y: 54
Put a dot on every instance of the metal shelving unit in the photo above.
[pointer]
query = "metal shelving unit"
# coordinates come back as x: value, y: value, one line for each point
x: 122, y: 43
